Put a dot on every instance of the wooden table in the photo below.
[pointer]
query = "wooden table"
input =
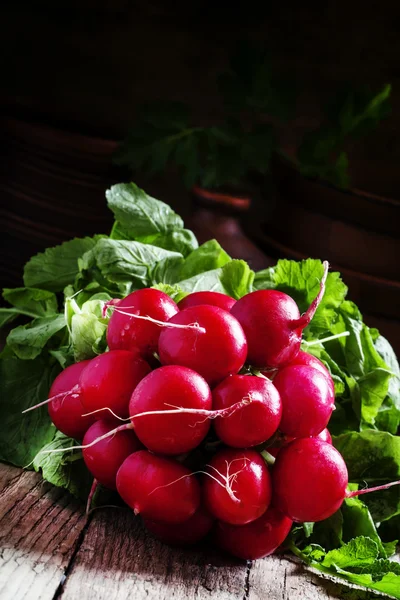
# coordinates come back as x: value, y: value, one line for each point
x: 50, y: 550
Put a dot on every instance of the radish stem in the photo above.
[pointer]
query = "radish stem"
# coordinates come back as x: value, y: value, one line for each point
x: 305, y: 319
x: 327, y: 339
x: 75, y: 389
x: 373, y: 489
x: 156, y: 321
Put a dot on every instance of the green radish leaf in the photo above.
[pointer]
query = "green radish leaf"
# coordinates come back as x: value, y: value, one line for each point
x: 301, y: 281
x: 168, y: 270
x: 64, y: 356
x: 8, y: 315
x: 356, y: 562
x: 139, y: 214
x: 370, y: 455
x: 173, y: 291
x: 24, y: 384
x: 390, y: 548
x: 386, y: 352
x: 119, y: 266
x: 27, y: 341
x: 57, y: 267
x: 359, y: 552
x: 207, y: 257
x: 182, y: 240
x: 373, y: 458
x: 88, y: 329
x: 365, y: 364
x: 32, y: 302
x: 328, y: 534
x: 207, y: 281
x: 64, y: 469
x: 237, y: 278
x: 357, y: 521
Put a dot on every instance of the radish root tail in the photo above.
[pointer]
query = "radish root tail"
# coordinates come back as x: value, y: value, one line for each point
x: 195, y: 326
x: 91, y: 494
x: 305, y: 319
x: 74, y: 392
x: 373, y: 489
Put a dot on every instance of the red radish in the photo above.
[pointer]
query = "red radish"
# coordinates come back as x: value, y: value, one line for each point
x: 325, y: 436
x: 66, y: 408
x: 256, y: 539
x: 105, y: 458
x: 307, y: 400
x: 201, y: 414
x: 211, y: 298
x: 183, y: 534
x: 254, y: 423
x: 215, y: 353
x: 304, y: 358
x: 160, y: 489
x: 109, y: 380
x: 162, y: 389
x: 126, y: 332
x: 274, y: 450
x: 272, y: 324
x: 309, y: 480
x: 238, y: 488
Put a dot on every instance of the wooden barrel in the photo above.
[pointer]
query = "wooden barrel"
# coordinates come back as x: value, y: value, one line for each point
x: 357, y: 232
x: 52, y: 185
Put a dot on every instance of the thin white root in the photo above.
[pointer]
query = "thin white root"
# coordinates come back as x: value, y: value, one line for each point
x: 209, y: 414
x: 229, y: 479
x: 94, y: 412
x: 156, y: 321
x: 377, y: 488
x: 96, y: 441
x: 91, y: 494
x: 62, y: 395
x: 327, y: 339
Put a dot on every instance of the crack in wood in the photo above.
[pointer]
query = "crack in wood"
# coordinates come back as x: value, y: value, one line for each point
x: 70, y: 566
x: 284, y: 594
x: 247, y: 580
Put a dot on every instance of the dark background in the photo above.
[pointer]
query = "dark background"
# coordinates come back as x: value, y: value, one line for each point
x: 87, y: 65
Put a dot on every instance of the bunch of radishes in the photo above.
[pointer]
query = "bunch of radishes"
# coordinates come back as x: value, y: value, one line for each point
x: 170, y: 371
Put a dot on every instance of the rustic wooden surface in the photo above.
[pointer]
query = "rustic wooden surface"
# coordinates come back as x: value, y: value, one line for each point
x: 40, y: 526
x: 50, y: 550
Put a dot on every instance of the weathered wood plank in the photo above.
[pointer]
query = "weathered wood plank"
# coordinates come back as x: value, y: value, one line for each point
x: 119, y: 560
x: 39, y: 529
x: 278, y: 578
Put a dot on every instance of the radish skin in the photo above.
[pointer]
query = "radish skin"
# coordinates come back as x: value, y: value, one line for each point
x: 160, y: 489
x: 215, y: 354
x: 256, y: 539
x: 273, y: 326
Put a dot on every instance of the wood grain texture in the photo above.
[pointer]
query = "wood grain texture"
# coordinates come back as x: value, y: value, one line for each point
x: 119, y: 560
x: 48, y: 551
x: 40, y: 527
x: 277, y: 578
